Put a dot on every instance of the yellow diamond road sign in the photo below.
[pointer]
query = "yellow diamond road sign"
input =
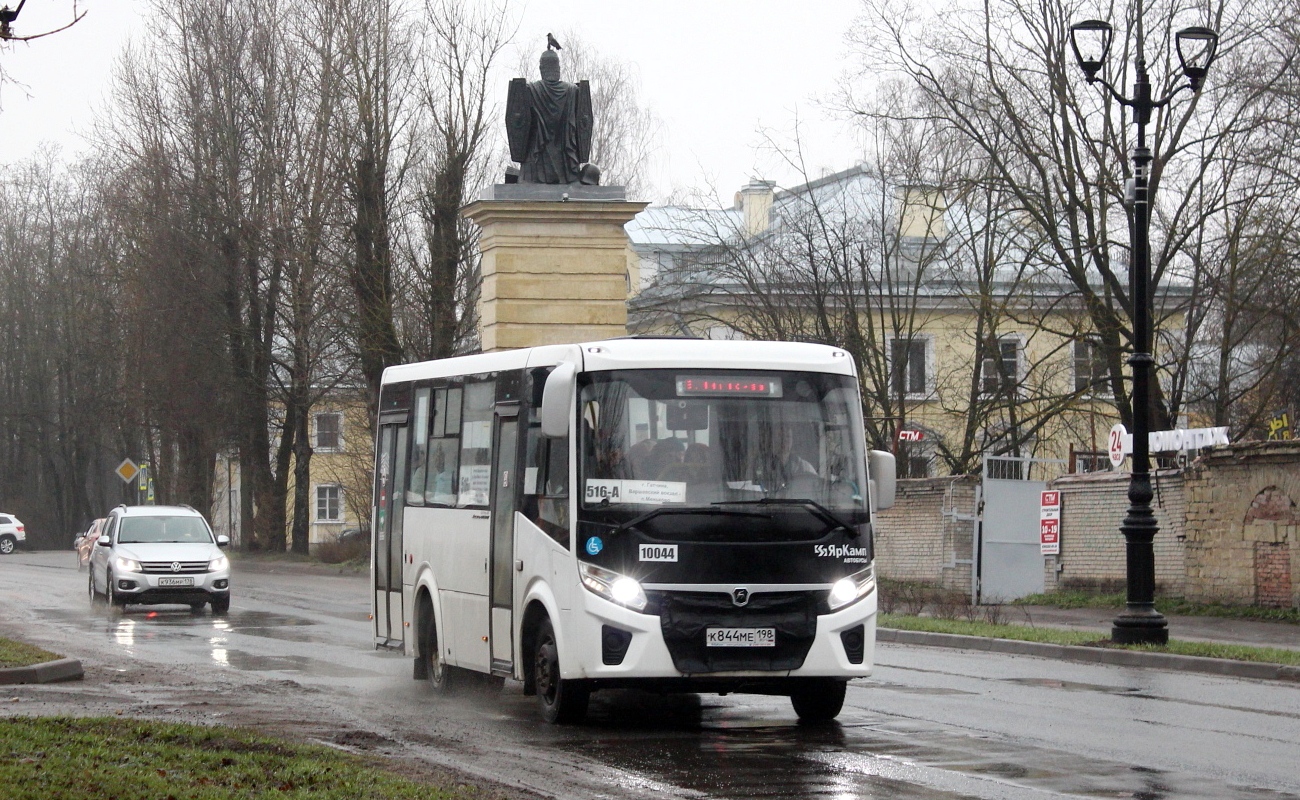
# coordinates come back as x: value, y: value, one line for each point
x: 127, y: 470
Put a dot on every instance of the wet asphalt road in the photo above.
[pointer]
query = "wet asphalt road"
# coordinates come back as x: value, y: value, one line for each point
x: 293, y: 657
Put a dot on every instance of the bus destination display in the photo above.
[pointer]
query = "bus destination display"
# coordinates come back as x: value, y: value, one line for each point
x: 739, y: 386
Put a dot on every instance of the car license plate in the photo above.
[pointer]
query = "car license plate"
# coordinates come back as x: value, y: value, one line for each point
x: 740, y: 637
x: 175, y: 581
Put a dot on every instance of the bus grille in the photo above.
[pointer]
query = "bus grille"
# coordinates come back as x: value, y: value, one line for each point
x: 685, y: 616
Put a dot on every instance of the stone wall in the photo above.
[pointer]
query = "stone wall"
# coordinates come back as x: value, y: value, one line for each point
x: 929, y: 533
x: 1242, y: 524
x: 1092, y: 548
x: 1229, y: 529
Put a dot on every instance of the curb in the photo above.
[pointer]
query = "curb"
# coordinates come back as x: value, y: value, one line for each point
x: 1096, y: 655
x: 63, y: 669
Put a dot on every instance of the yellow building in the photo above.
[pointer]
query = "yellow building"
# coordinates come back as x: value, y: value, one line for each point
x: 341, y: 467
x: 962, y: 331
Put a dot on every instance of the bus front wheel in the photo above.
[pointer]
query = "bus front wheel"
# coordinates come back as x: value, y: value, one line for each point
x: 819, y: 699
x: 437, y: 670
x: 562, y: 701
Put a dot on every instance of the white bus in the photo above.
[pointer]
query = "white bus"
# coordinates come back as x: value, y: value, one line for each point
x: 670, y: 514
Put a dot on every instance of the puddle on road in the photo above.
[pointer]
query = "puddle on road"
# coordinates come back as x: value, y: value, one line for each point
x: 251, y: 662
x: 1072, y: 686
x: 734, y: 750
x: 934, y: 691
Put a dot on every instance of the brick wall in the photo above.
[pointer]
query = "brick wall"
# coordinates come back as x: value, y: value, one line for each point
x: 1242, y: 523
x: 1229, y: 528
x: 923, y: 538
x: 1092, y: 548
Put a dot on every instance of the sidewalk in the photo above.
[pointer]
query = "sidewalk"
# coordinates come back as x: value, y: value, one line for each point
x: 1195, y: 629
x: 1221, y: 630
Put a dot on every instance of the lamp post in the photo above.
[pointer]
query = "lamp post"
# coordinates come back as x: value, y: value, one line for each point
x: 1140, y: 623
x: 7, y: 17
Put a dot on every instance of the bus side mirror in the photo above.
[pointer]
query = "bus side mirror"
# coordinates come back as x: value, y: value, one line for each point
x: 557, y: 400
x: 884, y: 479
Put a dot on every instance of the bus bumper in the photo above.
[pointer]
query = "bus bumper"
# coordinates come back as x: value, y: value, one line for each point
x: 597, y: 624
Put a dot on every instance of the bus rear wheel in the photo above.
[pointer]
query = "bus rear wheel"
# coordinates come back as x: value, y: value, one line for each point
x: 562, y: 701
x: 819, y: 699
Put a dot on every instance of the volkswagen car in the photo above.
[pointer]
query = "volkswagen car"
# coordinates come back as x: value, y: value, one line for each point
x: 160, y: 554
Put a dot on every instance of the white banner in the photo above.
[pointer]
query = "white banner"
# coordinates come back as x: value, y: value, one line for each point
x: 1121, y: 441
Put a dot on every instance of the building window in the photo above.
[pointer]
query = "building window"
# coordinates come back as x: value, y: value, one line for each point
x: 329, y: 504
x: 1000, y: 368
x: 907, y: 367
x: 1090, y: 374
x: 913, y: 461
x: 329, y: 431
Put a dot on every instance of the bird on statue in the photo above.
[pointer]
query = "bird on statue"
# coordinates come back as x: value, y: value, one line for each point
x: 551, y: 43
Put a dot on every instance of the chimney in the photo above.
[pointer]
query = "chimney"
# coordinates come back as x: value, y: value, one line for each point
x: 923, y: 208
x: 755, y: 202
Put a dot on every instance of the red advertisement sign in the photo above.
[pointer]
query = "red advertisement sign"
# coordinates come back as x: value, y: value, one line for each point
x: 1049, y: 537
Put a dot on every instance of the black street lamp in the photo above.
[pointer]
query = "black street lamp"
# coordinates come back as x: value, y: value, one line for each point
x: 1140, y: 623
x: 7, y: 17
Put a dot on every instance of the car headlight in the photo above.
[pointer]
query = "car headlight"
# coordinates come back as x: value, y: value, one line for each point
x: 128, y: 564
x: 852, y: 589
x: 610, y: 585
x: 217, y: 564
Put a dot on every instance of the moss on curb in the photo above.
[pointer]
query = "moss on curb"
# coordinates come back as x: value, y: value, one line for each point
x: 20, y: 654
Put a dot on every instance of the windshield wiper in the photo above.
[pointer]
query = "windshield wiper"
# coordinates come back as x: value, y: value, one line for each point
x: 817, y: 509
x: 635, y: 521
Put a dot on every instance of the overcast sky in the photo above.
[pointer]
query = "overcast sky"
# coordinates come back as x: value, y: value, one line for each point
x: 715, y: 72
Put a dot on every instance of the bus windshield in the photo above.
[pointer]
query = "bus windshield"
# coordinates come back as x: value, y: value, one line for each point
x: 695, y: 438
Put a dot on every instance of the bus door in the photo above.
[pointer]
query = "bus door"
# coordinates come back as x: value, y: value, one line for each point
x: 386, y: 558
x: 505, y: 490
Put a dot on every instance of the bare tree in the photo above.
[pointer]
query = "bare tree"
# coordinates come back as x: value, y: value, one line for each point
x: 999, y: 74
x: 377, y: 75
x: 461, y: 51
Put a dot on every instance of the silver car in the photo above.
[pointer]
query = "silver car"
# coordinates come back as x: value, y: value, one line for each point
x: 160, y: 554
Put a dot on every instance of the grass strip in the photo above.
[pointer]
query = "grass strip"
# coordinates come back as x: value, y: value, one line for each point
x: 1026, y: 633
x: 21, y: 654
x: 59, y: 758
x: 1165, y: 605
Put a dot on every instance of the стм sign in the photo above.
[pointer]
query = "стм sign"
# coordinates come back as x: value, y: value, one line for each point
x: 909, y: 436
x: 1049, y: 523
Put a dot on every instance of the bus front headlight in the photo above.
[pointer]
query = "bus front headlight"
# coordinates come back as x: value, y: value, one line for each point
x: 610, y: 585
x: 851, y: 589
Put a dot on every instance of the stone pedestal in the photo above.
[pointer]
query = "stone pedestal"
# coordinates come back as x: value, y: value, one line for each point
x: 554, y: 271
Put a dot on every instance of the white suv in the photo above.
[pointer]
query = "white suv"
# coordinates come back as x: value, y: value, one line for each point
x: 160, y: 554
x: 12, y: 532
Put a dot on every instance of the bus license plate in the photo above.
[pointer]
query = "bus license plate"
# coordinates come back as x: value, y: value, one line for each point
x: 740, y: 637
x: 175, y: 581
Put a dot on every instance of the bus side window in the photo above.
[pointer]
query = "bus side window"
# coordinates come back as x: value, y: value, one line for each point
x: 420, y: 443
x: 442, y: 453
x: 546, y: 499
x: 546, y: 477
x: 475, y: 443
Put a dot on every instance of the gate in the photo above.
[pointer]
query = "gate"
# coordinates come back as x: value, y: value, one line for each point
x: 1009, y: 563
